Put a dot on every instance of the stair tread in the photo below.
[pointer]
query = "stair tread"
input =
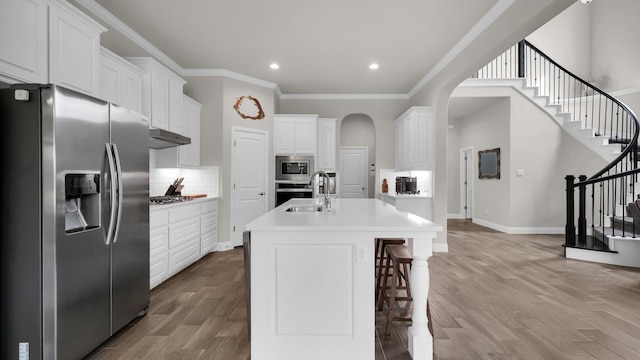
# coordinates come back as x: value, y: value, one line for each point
x: 592, y: 243
x: 611, y: 232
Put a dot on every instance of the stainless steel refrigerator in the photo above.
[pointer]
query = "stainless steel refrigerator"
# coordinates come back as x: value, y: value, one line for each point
x: 75, y: 221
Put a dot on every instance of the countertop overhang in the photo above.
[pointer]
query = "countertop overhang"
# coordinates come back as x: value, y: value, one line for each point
x: 345, y: 215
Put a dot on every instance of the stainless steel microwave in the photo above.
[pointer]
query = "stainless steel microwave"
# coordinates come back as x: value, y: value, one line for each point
x: 294, y: 168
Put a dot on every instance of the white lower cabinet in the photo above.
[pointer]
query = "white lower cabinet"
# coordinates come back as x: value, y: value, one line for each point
x: 158, y: 247
x: 184, y: 237
x: 208, y: 227
x: 179, y: 236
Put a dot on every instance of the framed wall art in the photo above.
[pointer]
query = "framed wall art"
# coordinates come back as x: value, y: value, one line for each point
x: 489, y: 164
x: 250, y: 109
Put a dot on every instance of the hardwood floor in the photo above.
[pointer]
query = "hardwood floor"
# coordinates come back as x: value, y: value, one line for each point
x: 493, y: 296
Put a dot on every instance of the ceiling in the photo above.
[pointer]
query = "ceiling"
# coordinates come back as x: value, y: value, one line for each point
x: 324, y: 48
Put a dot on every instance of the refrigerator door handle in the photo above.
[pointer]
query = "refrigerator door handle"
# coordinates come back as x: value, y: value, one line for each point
x: 114, y: 194
x: 120, y: 192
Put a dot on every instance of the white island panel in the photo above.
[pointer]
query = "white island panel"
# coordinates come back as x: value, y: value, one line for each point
x: 329, y: 268
x: 312, y: 279
x: 311, y: 299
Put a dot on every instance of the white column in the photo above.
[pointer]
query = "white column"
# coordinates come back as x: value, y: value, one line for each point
x: 420, y: 341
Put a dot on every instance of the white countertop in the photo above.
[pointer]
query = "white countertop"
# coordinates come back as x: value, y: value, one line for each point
x: 345, y: 215
x: 406, y: 196
x: 182, y: 203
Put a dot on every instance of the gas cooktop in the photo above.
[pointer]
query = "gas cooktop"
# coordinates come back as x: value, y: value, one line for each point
x: 167, y: 199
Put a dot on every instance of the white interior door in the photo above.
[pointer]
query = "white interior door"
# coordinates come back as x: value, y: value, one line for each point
x: 249, y: 159
x: 353, y: 172
x: 466, y: 183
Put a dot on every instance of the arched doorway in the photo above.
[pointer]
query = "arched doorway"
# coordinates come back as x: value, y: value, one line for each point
x: 358, y: 131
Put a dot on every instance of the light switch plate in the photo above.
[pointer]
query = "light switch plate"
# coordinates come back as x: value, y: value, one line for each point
x: 362, y: 253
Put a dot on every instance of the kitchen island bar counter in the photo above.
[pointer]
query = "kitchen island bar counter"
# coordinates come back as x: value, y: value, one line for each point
x: 312, y: 279
x: 345, y: 215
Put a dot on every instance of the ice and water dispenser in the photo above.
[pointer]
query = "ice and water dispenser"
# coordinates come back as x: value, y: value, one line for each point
x: 82, y: 202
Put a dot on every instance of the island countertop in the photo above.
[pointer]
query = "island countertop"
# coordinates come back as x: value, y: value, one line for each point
x: 344, y: 215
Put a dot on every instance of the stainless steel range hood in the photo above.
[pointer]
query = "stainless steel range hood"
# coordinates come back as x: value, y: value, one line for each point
x: 160, y: 139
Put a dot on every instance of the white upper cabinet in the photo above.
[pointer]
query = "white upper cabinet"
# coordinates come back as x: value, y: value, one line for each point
x: 294, y: 134
x: 161, y: 95
x: 184, y: 155
x: 23, y: 43
x: 74, y: 48
x: 326, y: 152
x: 49, y: 42
x: 120, y: 81
x: 189, y: 155
x: 413, y: 147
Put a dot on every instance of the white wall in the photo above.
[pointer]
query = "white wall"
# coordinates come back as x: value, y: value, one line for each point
x: 597, y: 42
x: 486, y: 129
x: 217, y: 96
x: 567, y: 39
x: 616, y: 50
x: 530, y: 140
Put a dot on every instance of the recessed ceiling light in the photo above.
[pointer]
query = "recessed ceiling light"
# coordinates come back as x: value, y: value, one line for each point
x: 274, y: 66
x: 374, y: 66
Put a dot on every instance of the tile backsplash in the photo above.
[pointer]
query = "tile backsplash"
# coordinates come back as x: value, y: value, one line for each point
x: 201, y: 180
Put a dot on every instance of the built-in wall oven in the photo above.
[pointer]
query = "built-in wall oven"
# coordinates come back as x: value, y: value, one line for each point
x: 292, y: 190
x: 292, y: 178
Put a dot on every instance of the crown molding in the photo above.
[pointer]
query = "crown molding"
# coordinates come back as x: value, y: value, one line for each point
x: 104, y: 15
x: 230, y: 74
x: 344, y: 97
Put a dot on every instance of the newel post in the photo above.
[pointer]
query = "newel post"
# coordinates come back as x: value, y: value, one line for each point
x: 521, y: 59
x: 570, y: 228
x: 582, y: 210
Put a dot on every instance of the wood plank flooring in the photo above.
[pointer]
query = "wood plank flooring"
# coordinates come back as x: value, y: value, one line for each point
x: 493, y: 296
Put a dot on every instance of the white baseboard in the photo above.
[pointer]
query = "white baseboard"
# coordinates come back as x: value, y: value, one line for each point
x: 455, y: 216
x: 224, y: 246
x: 519, y: 230
x: 439, y: 247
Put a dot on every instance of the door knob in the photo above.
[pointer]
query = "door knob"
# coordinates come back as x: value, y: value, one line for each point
x: 261, y: 194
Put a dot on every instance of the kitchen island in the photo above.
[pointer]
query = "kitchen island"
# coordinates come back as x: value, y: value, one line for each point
x: 312, y: 279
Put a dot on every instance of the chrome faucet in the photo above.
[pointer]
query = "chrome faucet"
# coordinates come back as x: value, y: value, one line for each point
x: 327, y: 199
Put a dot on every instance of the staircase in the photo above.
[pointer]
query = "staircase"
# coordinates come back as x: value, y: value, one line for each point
x: 598, y: 204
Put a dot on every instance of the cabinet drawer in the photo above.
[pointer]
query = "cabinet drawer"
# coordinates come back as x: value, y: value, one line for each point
x: 209, y: 241
x: 158, y: 269
x: 159, y: 239
x: 158, y: 218
x: 185, y: 229
x: 208, y: 222
x: 184, y: 255
x: 183, y: 212
x: 209, y: 206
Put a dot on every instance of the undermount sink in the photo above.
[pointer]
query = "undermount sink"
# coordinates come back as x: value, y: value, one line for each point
x: 308, y: 208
